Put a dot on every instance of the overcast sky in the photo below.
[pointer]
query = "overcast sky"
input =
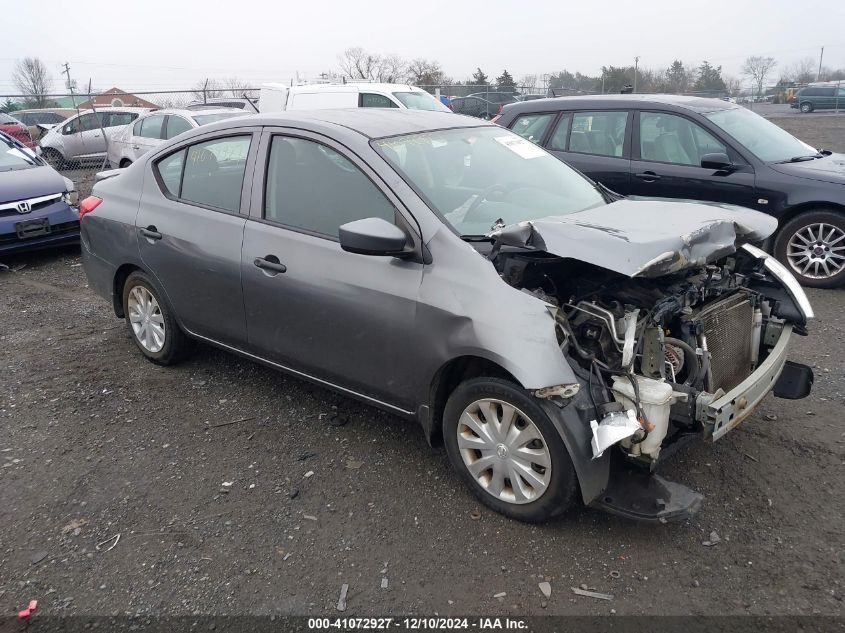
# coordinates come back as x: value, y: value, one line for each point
x: 157, y: 44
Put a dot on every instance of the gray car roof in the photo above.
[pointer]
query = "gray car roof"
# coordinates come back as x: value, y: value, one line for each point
x: 684, y: 102
x: 370, y: 122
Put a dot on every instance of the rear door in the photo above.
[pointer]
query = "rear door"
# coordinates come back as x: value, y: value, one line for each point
x: 597, y: 143
x: 667, y: 162
x: 190, y: 224
x: 90, y: 139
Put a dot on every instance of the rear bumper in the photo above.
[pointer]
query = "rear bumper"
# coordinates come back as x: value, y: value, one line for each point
x: 726, y: 413
x: 64, y: 228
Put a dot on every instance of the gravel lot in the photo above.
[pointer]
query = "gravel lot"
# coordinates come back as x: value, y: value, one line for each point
x: 97, y: 442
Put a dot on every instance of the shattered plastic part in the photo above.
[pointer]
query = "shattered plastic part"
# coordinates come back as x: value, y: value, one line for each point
x: 613, y: 428
x: 563, y: 391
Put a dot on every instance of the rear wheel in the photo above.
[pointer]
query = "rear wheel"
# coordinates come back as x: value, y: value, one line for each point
x: 54, y: 158
x: 506, y: 449
x: 806, y: 108
x: 812, y: 245
x: 151, y: 322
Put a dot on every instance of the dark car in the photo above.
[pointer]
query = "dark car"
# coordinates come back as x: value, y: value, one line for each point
x: 475, y: 106
x: 703, y: 149
x: 16, y: 130
x: 35, y: 201
x: 818, y: 98
x: 496, y: 97
x: 452, y: 272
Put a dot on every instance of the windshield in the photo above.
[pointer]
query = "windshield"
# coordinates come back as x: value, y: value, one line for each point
x: 420, y: 101
x: 205, y: 119
x: 14, y: 157
x: 761, y: 137
x: 478, y: 177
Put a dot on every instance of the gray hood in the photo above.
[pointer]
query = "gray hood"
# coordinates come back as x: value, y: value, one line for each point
x: 643, y: 238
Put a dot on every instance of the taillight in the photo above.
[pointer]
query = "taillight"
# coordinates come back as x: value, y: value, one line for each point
x: 495, y: 118
x: 88, y: 205
x: 501, y: 108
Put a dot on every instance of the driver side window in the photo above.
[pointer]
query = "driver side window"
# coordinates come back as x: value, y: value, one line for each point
x: 668, y: 138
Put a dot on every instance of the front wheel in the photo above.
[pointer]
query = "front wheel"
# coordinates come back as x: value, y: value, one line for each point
x: 54, y: 158
x: 812, y: 245
x: 506, y: 449
x: 151, y: 322
x: 806, y: 108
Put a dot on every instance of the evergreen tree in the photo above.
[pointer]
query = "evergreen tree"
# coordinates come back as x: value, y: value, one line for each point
x: 505, y: 83
x: 479, y: 78
x: 709, y: 78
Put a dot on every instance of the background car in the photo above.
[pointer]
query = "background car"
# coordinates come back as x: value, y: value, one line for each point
x: 818, y: 98
x: 496, y: 97
x: 86, y: 135
x: 48, y: 117
x: 475, y: 106
x: 16, y: 130
x: 151, y: 129
x: 703, y: 149
x: 225, y: 102
x: 36, y: 203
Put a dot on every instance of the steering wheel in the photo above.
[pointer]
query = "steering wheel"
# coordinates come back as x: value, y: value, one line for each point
x: 503, y: 188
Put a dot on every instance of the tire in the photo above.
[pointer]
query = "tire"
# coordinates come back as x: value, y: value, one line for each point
x: 162, y: 345
x: 806, y: 108
x: 545, y: 491
x: 54, y: 158
x: 816, y: 238
x: 125, y: 163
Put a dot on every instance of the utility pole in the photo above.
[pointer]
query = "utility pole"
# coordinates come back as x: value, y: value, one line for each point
x: 821, y: 57
x: 636, y: 64
x: 66, y: 73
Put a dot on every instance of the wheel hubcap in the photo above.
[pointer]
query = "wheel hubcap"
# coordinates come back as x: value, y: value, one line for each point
x: 817, y: 251
x: 504, y: 451
x: 146, y: 319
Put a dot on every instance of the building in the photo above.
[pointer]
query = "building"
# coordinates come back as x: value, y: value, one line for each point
x: 117, y: 98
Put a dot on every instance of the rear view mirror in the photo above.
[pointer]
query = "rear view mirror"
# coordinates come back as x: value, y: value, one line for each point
x: 372, y: 236
x: 716, y: 160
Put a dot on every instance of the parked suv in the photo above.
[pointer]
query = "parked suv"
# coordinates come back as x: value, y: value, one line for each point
x: 86, y: 135
x: 669, y: 146
x: 818, y: 98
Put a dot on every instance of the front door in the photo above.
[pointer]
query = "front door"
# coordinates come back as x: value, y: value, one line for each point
x: 667, y: 163
x: 190, y: 229
x: 343, y: 318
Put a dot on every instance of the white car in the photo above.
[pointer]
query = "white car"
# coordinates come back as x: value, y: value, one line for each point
x: 279, y: 97
x: 156, y: 127
x: 86, y: 135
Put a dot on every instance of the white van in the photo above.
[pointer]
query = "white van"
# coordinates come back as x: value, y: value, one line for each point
x: 277, y: 97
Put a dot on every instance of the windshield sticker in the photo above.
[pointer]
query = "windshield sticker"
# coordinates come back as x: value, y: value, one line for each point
x: 521, y: 147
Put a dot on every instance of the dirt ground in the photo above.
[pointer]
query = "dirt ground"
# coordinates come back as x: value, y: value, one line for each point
x: 235, y: 489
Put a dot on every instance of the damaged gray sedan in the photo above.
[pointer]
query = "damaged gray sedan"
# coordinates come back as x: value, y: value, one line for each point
x: 560, y: 340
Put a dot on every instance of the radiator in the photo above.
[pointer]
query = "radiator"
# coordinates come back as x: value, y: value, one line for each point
x: 728, y: 325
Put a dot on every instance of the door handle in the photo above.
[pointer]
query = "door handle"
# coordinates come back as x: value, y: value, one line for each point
x: 648, y: 176
x: 135, y: 147
x: 270, y: 265
x: 151, y: 233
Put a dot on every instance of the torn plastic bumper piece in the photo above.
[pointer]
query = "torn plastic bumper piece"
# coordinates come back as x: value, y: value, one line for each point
x: 642, y: 496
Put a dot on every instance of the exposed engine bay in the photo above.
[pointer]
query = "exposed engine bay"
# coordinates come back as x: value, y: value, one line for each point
x: 654, y: 353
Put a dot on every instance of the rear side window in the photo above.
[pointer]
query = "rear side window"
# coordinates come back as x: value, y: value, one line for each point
x: 533, y: 126
x: 314, y: 188
x: 210, y: 173
x: 558, y: 140
x: 370, y: 100
x: 151, y: 127
x: 113, y: 119
x: 176, y: 125
x: 600, y: 133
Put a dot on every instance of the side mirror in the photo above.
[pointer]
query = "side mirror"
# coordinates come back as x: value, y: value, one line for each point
x: 372, y: 236
x: 68, y: 129
x: 716, y: 160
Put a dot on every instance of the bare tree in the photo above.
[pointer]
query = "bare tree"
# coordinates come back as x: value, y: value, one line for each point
x: 33, y: 80
x: 758, y: 68
x: 528, y: 82
x: 801, y: 72
x: 422, y: 72
x: 732, y: 85
x: 235, y: 86
x: 391, y: 68
x: 356, y: 63
x: 207, y: 89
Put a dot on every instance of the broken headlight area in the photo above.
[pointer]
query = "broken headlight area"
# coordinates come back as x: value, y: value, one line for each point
x: 658, y: 356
